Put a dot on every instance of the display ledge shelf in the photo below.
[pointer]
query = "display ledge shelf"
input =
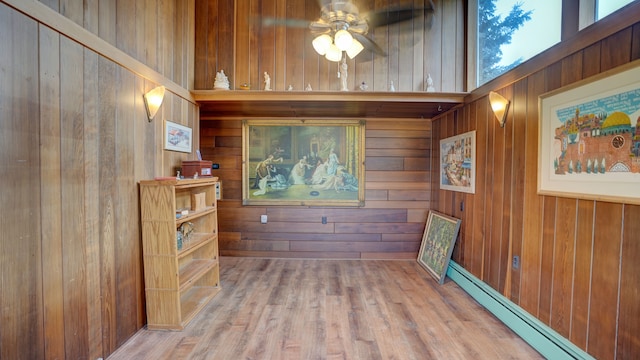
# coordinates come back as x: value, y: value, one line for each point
x: 181, y: 183
x: 194, y: 215
x: 193, y: 271
x: 194, y: 300
x: 197, y: 241
x: 247, y: 103
x: 333, y: 96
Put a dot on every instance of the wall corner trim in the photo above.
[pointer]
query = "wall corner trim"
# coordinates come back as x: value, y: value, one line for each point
x: 545, y: 340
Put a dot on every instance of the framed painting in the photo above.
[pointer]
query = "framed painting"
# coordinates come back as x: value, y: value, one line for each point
x: 303, y: 162
x: 177, y: 137
x: 439, y: 237
x: 589, y: 138
x: 458, y: 163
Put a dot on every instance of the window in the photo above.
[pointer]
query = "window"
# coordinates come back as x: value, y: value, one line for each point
x: 512, y: 31
x: 606, y: 7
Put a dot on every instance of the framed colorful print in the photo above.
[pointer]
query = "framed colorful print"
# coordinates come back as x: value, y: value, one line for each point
x: 589, y: 139
x: 439, y: 237
x: 458, y: 163
x: 177, y: 137
x: 303, y: 162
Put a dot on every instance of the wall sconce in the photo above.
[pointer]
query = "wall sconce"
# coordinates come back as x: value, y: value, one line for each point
x: 153, y: 100
x: 500, y: 106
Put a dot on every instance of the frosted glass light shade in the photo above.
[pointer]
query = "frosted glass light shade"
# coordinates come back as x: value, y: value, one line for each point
x: 153, y: 100
x: 355, y: 49
x: 321, y: 44
x: 333, y: 54
x: 499, y: 105
x: 343, y: 39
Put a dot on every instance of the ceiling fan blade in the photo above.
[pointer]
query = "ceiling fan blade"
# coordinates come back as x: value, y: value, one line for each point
x: 319, y: 26
x: 293, y: 23
x: 369, y: 44
x: 390, y: 16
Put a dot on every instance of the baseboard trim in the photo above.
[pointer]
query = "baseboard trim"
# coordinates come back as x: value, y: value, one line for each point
x: 541, y: 337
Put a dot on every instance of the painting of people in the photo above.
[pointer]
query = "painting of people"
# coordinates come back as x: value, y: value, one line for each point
x: 303, y: 162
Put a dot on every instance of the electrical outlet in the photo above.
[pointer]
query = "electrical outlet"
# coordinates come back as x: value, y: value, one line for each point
x: 515, y: 262
x: 324, y: 219
x: 263, y: 219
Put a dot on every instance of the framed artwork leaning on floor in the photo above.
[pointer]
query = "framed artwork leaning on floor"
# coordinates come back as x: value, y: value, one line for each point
x: 440, y: 234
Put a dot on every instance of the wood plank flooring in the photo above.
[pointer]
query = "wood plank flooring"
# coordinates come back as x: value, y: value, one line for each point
x: 333, y: 309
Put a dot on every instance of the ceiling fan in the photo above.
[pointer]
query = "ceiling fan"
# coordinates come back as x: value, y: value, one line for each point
x: 341, y: 27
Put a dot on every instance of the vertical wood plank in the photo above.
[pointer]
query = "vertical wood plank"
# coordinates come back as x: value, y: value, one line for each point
x: 295, y: 69
x: 126, y: 26
x: 242, y: 74
x: 605, y: 285
x: 582, y: 269
x: 92, y: 203
x: 106, y: 173
x: 268, y: 45
x: 92, y: 16
x: 420, y: 27
x: 50, y: 191
x: 149, y: 40
x: 311, y: 61
x: 563, y: 265
x: 549, y: 209
x: 628, y: 327
x: 469, y: 203
x: 227, y: 50
x: 73, y: 235
x: 126, y: 248
x: 280, y: 80
x: 255, y: 78
x: 506, y: 210
x: 20, y: 245
x: 478, y: 112
x: 530, y: 260
x: 519, y: 106
x: 203, y: 60
x: 449, y: 48
x: 107, y: 23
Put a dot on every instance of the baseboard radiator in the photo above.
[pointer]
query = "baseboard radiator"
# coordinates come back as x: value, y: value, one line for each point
x: 541, y: 337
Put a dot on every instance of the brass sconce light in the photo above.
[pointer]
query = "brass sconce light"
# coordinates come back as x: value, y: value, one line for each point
x: 153, y: 100
x: 500, y: 106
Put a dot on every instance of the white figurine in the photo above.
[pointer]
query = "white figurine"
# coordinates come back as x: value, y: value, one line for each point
x: 267, y: 82
x: 221, y: 82
x: 290, y: 88
x: 391, y: 87
x: 429, y: 82
x: 363, y: 86
x: 343, y: 75
x: 308, y: 88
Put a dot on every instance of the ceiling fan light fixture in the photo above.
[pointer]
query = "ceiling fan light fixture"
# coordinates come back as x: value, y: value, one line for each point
x: 322, y: 43
x: 355, y: 49
x: 343, y: 40
x: 333, y: 53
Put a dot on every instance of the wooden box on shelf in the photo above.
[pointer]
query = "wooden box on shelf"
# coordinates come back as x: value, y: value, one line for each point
x: 178, y: 283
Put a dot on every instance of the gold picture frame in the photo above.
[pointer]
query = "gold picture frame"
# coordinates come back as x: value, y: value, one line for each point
x: 316, y: 162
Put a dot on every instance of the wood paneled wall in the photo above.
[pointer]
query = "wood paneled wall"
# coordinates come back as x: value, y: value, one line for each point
x: 75, y: 140
x: 158, y: 33
x: 397, y: 197
x: 243, y: 45
x: 579, y: 272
